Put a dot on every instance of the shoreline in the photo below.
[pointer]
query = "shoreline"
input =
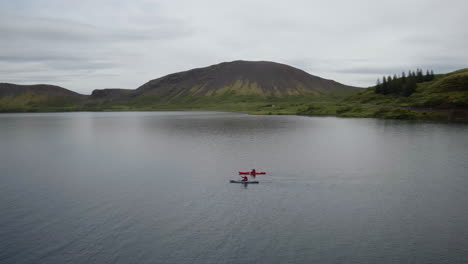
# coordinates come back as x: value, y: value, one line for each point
x: 433, y: 118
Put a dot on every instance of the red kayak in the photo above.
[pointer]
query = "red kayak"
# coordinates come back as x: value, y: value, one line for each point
x: 250, y: 173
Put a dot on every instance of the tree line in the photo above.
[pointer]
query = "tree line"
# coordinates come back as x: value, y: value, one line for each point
x: 403, y: 85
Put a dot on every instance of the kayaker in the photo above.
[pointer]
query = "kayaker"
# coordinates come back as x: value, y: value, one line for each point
x: 244, y: 178
x: 253, y: 173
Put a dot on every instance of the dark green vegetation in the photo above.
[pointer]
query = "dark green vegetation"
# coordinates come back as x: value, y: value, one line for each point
x: 261, y: 88
x: 403, y: 85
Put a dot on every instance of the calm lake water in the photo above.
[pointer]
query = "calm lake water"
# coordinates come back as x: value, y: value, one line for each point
x: 152, y: 187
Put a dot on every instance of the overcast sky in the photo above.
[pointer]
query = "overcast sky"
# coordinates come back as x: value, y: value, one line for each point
x: 91, y: 44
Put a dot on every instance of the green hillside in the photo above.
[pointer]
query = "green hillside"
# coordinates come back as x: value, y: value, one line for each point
x: 445, y: 91
x: 445, y: 97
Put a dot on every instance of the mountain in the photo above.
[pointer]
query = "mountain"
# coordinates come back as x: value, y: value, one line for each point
x: 252, y: 78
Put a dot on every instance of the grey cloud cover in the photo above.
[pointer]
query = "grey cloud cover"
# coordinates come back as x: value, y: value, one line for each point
x: 86, y: 45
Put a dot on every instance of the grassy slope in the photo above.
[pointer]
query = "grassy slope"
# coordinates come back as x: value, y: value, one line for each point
x: 29, y: 102
x: 224, y: 102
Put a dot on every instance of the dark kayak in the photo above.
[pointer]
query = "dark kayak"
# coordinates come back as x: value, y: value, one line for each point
x: 244, y: 182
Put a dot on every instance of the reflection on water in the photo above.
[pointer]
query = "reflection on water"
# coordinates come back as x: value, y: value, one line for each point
x: 153, y: 187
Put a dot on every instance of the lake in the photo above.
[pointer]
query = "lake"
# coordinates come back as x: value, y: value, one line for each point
x: 153, y: 187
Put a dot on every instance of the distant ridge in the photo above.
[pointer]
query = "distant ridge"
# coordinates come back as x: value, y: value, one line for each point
x: 10, y: 89
x: 111, y: 93
x: 38, y: 97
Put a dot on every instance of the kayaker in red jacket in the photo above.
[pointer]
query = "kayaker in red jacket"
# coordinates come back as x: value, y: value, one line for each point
x: 244, y: 178
x: 253, y: 172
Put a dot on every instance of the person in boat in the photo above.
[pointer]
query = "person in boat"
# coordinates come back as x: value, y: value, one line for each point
x: 253, y: 173
x: 245, y: 178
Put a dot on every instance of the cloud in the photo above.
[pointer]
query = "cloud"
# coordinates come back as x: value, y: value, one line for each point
x: 72, y: 49
x: 117, y: 43
x: 20, y: 28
